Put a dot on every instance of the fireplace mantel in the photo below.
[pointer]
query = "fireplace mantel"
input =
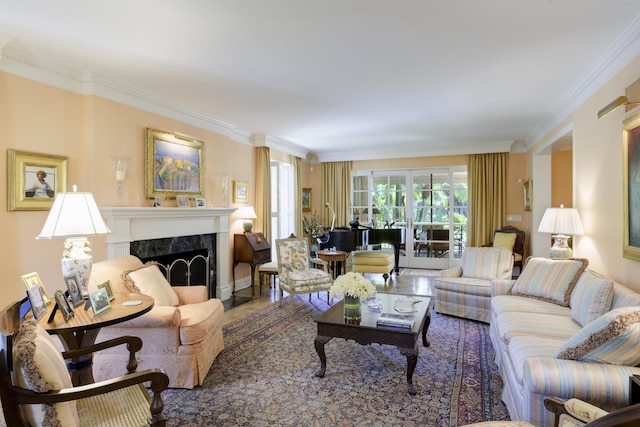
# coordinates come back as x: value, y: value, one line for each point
x: 129, y: 224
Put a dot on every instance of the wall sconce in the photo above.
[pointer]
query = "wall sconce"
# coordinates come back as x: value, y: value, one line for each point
x: 120, y: 164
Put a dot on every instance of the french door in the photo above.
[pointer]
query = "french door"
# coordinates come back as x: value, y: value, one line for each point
x: 430, y: 205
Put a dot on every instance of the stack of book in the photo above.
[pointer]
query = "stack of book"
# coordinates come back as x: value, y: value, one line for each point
x: 396, y: 320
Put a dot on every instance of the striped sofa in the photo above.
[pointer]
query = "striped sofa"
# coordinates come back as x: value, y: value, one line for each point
x: 465, y: 291
x: 563, y: 330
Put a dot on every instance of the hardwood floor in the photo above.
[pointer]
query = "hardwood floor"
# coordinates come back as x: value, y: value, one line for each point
x: 405, y: 284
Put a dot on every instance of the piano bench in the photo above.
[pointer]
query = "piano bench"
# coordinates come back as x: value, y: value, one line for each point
x: 269, y: 269
x: 373, y: 262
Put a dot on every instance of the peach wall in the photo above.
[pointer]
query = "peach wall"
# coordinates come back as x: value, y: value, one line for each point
x: 90, y: 130
x: 597, y: 178
x: 562, y: 179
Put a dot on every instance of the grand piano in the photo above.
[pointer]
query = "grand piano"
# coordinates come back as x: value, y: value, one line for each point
x: 351, y: 239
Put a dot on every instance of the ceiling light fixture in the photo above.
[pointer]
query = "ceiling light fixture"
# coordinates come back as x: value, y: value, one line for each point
x: 618, y: 102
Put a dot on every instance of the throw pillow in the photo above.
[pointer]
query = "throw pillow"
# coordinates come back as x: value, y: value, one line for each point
x: 150, y: 281
x: 549, y: 280
x: 504, y: 240
x: 612, y: 338
x: 591, y: 297
x: 38, y: 365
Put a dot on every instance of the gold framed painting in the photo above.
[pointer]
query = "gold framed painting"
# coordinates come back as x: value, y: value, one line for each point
x: 306, y: 200
x: 33, y: 180
x: 240, y: 192
x: 527, y: 188
x: 631, y: 187
x: 174, y: 165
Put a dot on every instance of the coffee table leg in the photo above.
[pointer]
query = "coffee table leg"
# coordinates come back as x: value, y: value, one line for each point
x: 319, y: 343
x: 425, y: 327
x: 412, y: 361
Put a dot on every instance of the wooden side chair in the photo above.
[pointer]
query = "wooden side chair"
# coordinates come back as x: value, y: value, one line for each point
x: 512, y: 238
x: 35, y: 385
x: 575, y: 412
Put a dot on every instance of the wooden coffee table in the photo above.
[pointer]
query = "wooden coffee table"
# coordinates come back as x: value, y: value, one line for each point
x: 331, y: 324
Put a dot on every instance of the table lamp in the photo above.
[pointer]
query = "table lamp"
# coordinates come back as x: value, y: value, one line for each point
x: 561, y: 223
x: 74, y: 216
x: 247, y: 213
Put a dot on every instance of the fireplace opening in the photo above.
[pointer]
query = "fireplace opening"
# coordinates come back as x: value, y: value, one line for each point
x: 184, y: 260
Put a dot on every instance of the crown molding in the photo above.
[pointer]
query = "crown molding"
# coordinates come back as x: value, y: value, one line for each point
x: 624, y: 50
x: 16, y: 62
x: 443, y: 149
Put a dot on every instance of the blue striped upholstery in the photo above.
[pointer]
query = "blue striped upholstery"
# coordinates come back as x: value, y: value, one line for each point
x: 591, y: 297
x: 612, y: 338
x: 550, y: 280
x: 487, y: 263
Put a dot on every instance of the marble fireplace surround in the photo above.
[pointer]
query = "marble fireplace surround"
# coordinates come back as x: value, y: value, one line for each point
x: 129, y: 224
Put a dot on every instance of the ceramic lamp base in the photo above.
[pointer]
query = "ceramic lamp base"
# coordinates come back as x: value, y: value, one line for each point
x: 76, y: 262
x: 560, y: 248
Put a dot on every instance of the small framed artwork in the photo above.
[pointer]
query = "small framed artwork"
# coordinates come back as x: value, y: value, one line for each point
x: 75, y: 293
x: 306, y: 200
x: 63, y: 305
x: 240, y: 192
x: 33, y: 180
x: 528, y: 191
x: 183, y: 201
x: 33, y: 279
x: 107, y: 286
x: 36, y: 299
x: 173, y: 164
x: 99, y: 301
x: 157, y: 202
x: 200, y: 202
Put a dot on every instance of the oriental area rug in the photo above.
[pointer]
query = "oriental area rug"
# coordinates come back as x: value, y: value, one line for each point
x: 265, y: 377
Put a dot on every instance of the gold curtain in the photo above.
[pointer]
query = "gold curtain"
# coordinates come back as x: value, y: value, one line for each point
x: 487, y: 196
x: 336, y: 190
x: 263, y: 190
x: 297, y: 184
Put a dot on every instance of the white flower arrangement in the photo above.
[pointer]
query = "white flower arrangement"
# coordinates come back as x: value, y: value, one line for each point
x: 352, y: 284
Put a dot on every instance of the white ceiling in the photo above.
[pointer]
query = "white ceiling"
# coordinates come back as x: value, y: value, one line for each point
x: 344, y: 79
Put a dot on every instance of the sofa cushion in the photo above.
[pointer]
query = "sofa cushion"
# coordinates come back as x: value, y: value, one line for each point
x: 613, y: 338
x: 514, y: 324
x: 487, y: 263
x: 150, y: 281
x: 504, y: 240
x: 523, y: 348
x: 505, y: 303
x: 549, y: 280
x: 39, y: 366
x: 591, y: 297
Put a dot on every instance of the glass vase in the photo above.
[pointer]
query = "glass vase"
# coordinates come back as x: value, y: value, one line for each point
x: 352, y: 312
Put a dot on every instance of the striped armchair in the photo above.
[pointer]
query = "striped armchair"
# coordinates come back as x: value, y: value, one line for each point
x: 465, y: 291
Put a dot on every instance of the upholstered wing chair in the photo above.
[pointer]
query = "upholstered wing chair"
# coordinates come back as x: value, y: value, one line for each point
x: 295, y: 271
x: 182, y: 334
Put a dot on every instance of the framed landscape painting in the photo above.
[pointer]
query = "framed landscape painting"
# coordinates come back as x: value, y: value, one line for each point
x: 173, y: 165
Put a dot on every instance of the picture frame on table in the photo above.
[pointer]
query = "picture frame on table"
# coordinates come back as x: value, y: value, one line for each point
x: 240, y: 192
x: 74, y: 290
x: 36, y: 299
x: 306, y: 200
x: 63, y: 305
x: 31, y: 279
x: 99, y: 301
x: 174, y: 165
x: 201, y: 202
x: 33, y: 180
x: 631, y: 187
x: 107, y: 286
x: 157, y: 202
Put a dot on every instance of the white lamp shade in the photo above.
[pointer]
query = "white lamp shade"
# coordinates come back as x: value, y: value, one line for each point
x: 73, y: 214
x: 561, y: 221
x: 247, y: 212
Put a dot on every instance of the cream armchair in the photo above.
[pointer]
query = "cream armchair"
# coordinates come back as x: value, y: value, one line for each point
x: 182, y: 334
x: 296, y: 274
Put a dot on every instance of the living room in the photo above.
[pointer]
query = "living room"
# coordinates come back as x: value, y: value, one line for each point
x: 43, y: 109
